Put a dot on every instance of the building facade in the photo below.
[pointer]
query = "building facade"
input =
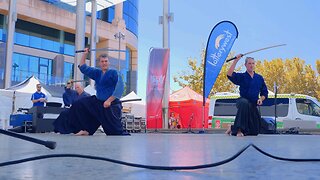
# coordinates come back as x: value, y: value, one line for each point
x: 44, y: 40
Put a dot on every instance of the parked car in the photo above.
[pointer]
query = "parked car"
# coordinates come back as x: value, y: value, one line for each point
x: 293, y: 110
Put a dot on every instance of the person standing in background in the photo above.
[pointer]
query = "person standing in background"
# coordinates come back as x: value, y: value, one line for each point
x: 39, y: 98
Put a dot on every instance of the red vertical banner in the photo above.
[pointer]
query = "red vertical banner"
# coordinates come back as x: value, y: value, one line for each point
x: 157, y: 70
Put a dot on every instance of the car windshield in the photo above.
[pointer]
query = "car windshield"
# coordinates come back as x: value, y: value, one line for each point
x: 227, y: 107
x: 308, y: 107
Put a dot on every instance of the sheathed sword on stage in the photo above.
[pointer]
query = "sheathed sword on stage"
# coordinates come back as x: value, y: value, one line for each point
x: 79, y: 81
x: 129, y: 100
x: 101, y: 49
x: 269, y: 47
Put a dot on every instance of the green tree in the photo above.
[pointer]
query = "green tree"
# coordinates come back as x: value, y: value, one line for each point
x: 271, y: 71
x: 291, y: 76
x: 194, y: 77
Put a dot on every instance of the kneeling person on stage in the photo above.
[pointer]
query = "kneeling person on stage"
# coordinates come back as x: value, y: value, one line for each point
x: 69, y: 94
x: 87, y: 114
x: 80, y: 92
x: 251, y: 84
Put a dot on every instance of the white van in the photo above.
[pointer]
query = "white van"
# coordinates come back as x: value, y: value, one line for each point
x: 293, y: 110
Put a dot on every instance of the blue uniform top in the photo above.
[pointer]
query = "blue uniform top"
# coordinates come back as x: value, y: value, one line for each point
x: 82, y: 95
x: 69, y: 96
x: 250, y: 87
x: 107, y: 84
x: 38, y: 95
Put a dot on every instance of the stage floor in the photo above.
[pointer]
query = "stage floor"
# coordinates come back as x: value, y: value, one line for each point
x: 162, y: 149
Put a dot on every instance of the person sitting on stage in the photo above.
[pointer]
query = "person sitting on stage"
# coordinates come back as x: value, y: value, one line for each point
x: 69, y: 94
x: 247, y: 121
x: 87, y: 114
x: 172, y: 121
x: 39, y: 98
x: 80, y: 92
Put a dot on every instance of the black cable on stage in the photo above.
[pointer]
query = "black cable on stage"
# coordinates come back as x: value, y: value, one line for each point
x: 8, y: 163
x: 126, y: 163
x: 282, y: 158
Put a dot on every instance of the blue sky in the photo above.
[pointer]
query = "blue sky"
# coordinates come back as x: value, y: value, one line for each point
x: 260, y: 24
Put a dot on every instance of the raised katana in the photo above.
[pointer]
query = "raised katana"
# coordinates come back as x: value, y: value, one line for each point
x: 257, y: 51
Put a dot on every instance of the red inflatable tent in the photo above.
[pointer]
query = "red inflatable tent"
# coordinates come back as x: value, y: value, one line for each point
x: 186, y: 105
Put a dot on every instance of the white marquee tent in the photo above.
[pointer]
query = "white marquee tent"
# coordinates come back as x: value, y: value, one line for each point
x: 90, y: 89
x: 19, y: 96
x: 28, y: 86
x: 137, y: 108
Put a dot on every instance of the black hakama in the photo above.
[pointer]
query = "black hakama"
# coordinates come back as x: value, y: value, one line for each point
x: 247, y: 118
x: 88, y: 114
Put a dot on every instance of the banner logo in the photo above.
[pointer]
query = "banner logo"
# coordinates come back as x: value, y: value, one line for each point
x: 215, y: 57
x: 219, y: 44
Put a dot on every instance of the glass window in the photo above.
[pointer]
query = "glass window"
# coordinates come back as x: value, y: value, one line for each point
x: 68, y: 71
x: 43, y: 70
x: 1, y: 20
x: 225, y: 107
x: 24, y: 66
x: 1, y: 34
x: 267, y: 108
x: 35, y: 41
x: 69, y: 49
x: 68, y: 37
x: 56, y: 47
x: 110, y: 14
x: 308, y: 107
x: 126, y: 7
x: 47, y: 44
x: 50, y: 77
x: 33, y: 65
x: 134, y: 2
x: 43, y: 62
x: 50, y: 44
x: 37, y: 36
x: 128, y: 58
x: 130, y: 16
x: 68, y: 46
x: 23, y: 62
x: 21, y: 38
x: 99, y: 15
x: 134, y: 14
x: 43, y: 73
x: 15, y: 67
x: 50, y: 66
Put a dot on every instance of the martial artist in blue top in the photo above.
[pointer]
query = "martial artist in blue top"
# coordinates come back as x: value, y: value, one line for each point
x: 69, y: 95
x: 87, y: 114
x: 252, y: 85
x: 38, y: 98
x: 80, y: 92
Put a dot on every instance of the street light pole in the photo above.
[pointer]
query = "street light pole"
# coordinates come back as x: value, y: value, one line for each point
x: 165, y: 20
x: 15, y: 65
x: 119, y: 36
x: 93, y: 39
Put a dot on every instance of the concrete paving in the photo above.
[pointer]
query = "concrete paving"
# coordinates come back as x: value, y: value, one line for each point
x: 162, y: 149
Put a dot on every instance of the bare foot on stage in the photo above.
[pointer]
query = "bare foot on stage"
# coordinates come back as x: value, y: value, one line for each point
x: 82, y: 133
x: 228, y: 132
x: 239, y: 133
